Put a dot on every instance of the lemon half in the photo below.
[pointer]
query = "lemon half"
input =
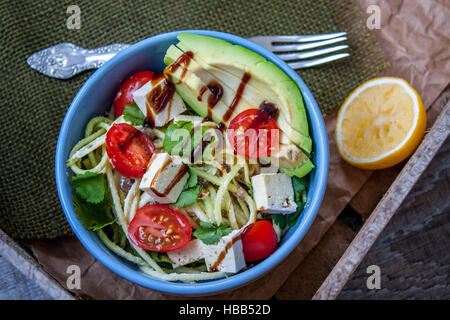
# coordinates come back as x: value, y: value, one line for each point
x: 380, y: 123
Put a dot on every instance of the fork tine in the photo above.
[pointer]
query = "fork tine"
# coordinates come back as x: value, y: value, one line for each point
x: 315, y: 62
x: 308, y: 38
x: 304, y: 46
x: 310, y: 54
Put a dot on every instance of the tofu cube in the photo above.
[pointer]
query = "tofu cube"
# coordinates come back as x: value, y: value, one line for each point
x: 273, y: 193
x: 143, y: 99
x: 191, y: 253
x: 165, y: 178
x: 233, y: 261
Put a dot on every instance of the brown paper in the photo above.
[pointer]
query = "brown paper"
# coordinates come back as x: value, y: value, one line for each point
x: 414, y: 35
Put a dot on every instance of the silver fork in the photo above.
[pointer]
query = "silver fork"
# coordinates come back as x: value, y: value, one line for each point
x: 65, y: 60
x: 297, y: 44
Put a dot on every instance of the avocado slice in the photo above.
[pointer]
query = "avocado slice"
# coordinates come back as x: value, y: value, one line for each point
x: 267, y: 80
x: 188, y: 85
x: 301, y: 170
x: 189, y: 81
x: 251, y: 96
x: 228, y: 86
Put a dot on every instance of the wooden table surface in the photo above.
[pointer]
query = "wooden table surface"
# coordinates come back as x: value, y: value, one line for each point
x: 413, y: 252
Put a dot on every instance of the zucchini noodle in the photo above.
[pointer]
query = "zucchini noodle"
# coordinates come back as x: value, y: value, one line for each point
x: 221, y: 193
x: 199, y: 213
x: 97, y: 121
x: 194, y: 224
x: 231, y: 214
x: 208, y: 208
x: 122, y: 220
x: 99, y: 168
x: 212, y: 178
x: 145, y: 199
x: 159, y: 134
x: 252, y: 206
x: 132, y: 195
x: 246, y: 203
x: 184, y: 277
x: 118, y: 250
x: 95, y: 138
x: 89, y: 147
x: 133, y: 207
x: 224, y: 198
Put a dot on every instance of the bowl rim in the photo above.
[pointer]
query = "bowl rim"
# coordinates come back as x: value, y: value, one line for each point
x: 210, y: 287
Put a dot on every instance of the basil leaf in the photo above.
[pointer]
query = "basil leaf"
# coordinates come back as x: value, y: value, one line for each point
x: 187, y: 197
x: 162, y: 259
x: 133, y: 114
x: 279, y: 219
x: 93, y: 216
x: 175, y: 136
x: 210, y: 233
x: 192, y: 181
x: 90, y: 186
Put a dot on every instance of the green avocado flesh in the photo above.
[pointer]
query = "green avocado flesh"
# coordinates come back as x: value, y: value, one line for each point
x: 301, y: 170
x: 219, y: 62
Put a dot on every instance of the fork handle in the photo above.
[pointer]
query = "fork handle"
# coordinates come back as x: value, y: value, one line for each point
x: 65, y: 60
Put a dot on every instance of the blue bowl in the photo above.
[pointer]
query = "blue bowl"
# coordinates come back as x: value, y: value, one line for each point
x: 95, y: 98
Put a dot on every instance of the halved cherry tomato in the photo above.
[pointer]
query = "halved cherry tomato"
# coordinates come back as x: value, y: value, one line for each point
x: 250, y: 133
x: 129, y: 150
x: 124, y: 95
x: 259, y: 240
x: 158, y: 227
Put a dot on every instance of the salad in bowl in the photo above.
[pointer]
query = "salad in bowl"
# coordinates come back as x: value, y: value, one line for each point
x: 197, y: 172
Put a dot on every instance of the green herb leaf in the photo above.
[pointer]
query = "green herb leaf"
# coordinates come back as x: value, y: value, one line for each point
x: 300, y: 185
x: 279, y: 219
x: 175, y: 139
x: 190, y: 191
x: 210, y: 233
x: 90, y: 186
x: 160, y: 257
x: 133, y: 114
x: 291, y: 219
x: 176, y: 134
x: 93, y: 216
x: 187, y: 197
x: 192, y: 181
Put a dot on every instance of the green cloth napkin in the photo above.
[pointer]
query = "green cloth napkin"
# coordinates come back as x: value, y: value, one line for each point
x: 34, y: 105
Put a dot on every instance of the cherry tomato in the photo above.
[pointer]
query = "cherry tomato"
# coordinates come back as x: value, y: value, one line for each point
x: 129, y: 150
x: 158, y: 227
x: 259, y: 240
x: 250, y: 133
x: 124, y: 95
